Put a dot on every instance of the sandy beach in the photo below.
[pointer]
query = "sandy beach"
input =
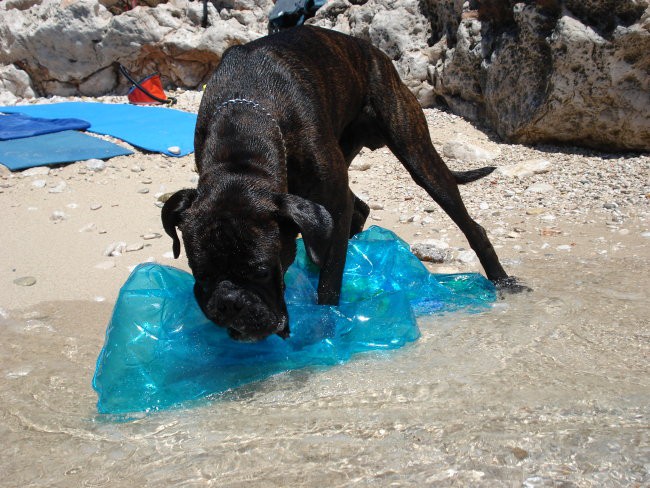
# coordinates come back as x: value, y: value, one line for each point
x: 75, y: 231
x: 548, y: 388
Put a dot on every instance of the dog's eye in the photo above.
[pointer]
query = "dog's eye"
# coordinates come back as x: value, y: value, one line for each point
x: 261, y: 275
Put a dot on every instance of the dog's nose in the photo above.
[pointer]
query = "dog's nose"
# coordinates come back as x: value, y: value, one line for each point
x: 227, y: 302
x: 230, y: 305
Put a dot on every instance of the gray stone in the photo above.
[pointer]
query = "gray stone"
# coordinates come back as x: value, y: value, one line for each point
x: 540, y: 188
x: 99, y: 83
x: 38, y: 171
x: 25, y: 281
x: 95, y: 165
x: 135, y: 247
x: 431, y: 251
x: 15, y: 83
x: 115, y: 249
x: 464, y: 151
x: 360, y: 166
x: 526, y: 168
x: 59, y: 187
x: 467, y: 257
x: 88, y: 227
x: 58, y: 216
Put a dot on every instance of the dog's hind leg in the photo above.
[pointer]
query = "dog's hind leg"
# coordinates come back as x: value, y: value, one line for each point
x: 404, y: 128
x: 359, y: 216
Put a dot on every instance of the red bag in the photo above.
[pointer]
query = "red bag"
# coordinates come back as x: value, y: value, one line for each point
x: 148, y: 91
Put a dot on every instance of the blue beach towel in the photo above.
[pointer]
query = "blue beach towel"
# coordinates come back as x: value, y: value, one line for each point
x: 153, y: 129
x: 17, y: 126
x: 161, y: 351
x: 58, y: 147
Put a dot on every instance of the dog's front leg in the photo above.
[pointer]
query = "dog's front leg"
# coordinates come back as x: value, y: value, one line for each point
x: 331, y: 273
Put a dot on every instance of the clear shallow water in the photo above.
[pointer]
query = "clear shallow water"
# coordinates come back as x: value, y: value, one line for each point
x: 546, y: 389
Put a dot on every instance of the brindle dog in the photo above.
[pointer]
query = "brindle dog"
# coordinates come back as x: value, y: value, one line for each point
x: 280, y: 122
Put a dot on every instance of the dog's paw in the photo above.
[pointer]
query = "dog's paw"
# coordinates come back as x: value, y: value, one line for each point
x: 510, y: 284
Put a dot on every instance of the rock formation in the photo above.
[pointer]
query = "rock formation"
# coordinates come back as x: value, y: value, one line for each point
x: 568, y: 71
x: 71, y: 47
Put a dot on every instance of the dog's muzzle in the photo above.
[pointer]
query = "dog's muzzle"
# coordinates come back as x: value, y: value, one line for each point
x: 246, y: 316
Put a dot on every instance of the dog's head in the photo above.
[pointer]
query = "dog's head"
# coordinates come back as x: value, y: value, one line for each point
x: 239, y: 244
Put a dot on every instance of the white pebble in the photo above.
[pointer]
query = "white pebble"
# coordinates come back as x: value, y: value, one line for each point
x: 95, y: 206
x: 95, y: 165
x: 59, y: 188
x: 39, y: 183
x: 115, y: 249
x: 539, y: 188
x: 38, y: 171
x: 174, y: 149
x: 105, y: 265
x: 87, y: 228
x: 564, y: 247
x: 467, y: 257
x: 134, y: 247
x: 361, y: 166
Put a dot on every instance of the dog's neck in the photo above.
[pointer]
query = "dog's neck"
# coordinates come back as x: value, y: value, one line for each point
x: 249, y: 140
x: 260, y: 109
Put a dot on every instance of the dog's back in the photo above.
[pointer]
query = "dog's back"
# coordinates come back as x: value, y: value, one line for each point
x: 328, y: 72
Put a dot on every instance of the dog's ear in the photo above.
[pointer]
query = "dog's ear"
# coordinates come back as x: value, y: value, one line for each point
x: 313, y: 220
x: 172, y: 214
